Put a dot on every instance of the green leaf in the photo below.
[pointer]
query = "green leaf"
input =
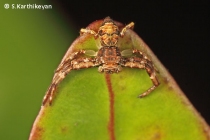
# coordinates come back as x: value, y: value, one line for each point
x: 90, y: 105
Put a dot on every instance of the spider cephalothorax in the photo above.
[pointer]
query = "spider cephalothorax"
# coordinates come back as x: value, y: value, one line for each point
x: 108, y: 33
x: 108, y: 58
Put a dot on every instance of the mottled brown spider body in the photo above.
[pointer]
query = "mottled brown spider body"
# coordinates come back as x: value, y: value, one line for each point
x: 108, y: 58
x: 108, y: 33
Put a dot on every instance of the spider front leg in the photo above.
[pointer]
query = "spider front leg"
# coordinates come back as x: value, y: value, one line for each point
x: 141, y: 61
x: 82, y: 31
x: 71, y: 63
x: 129, y: 26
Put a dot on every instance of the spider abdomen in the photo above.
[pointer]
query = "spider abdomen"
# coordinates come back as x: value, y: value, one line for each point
x: 109, y: 58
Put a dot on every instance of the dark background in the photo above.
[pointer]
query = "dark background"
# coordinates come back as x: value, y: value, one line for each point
x: 176, y: 31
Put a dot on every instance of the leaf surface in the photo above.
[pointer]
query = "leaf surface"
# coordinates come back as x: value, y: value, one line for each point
x: 90, y: 105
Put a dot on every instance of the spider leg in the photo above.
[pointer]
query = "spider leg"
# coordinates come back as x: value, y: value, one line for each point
x: 48, y: 95
x: 58, y: 77
x: 151, y: 72
x: 63, y: 70
x: 142, y: 62
x: 82, y: 31
x: 129, y: 26
x: 69, y: 58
